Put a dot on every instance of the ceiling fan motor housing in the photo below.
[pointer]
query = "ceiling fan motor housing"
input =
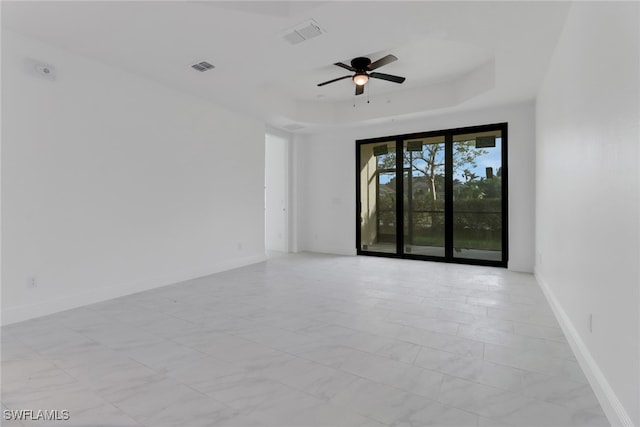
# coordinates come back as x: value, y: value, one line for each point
x: 360, y: 63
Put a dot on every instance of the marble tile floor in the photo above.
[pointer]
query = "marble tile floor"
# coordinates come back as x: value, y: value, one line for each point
x: 306, y: 340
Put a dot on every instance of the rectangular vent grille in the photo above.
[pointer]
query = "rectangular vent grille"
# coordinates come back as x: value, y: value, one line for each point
x: 202, y: 66
x: 309, y: 31
x: 302, y: 32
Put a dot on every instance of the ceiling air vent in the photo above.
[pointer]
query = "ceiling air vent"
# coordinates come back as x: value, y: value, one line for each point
x: 202, y: 66
x: 305, y: 31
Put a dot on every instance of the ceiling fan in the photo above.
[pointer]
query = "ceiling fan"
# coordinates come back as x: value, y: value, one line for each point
x: 361, y: 67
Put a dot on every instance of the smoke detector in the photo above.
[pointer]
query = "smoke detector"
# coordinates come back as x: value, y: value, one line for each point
x: 40, y: 69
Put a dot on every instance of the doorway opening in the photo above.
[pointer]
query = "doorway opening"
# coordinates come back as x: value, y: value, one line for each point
x: 276, y: 194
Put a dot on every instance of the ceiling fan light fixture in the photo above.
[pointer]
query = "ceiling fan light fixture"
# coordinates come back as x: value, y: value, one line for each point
x: 360, y: 79
x: 360, y: 66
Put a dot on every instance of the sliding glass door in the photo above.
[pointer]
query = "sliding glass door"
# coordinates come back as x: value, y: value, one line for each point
x: 436, y: 195
x: 423, y: 196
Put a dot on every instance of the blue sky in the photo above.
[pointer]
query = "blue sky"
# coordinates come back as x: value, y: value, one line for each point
x: 491, y: 159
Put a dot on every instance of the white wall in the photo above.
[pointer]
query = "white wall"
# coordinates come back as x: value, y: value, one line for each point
x: 587, y: 197
x: 113, y: 184
x: 326, y: 193
x: 276, y: 193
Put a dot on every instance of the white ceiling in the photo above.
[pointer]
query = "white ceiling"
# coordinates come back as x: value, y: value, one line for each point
x: 455, y: 55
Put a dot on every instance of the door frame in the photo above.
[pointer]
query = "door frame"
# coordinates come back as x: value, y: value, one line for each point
x: 448, y: 136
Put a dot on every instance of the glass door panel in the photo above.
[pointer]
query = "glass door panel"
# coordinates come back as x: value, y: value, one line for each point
x: 378, y: 194
x: 423, y: 196
x: 477, y: 196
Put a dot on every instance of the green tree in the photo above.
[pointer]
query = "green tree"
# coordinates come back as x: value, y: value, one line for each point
x: 430, y: 162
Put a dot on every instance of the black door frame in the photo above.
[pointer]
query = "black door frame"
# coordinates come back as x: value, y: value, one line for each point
x: 448, y: 137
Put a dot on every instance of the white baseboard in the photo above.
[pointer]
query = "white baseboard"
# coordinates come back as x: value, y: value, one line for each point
x: 613, y: 409
x: 67, y: 302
